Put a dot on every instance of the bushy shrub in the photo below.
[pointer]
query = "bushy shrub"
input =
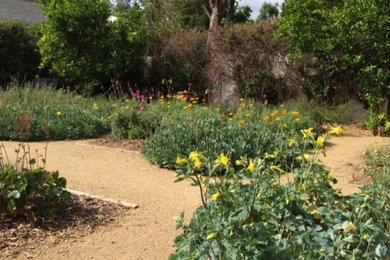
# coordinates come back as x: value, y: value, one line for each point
x: 136, y: 120
x: 81, y: 45
x: 38, y: 114
x: 243, y: 134
x: 19, y: 55
x: 256, y: 212
x: 258, y: 60
x: 184, y: 58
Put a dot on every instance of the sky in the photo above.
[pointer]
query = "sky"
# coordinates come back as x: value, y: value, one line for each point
x: 255, y: 5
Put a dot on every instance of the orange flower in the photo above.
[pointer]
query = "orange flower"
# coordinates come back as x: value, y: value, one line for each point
x: 297, y: 120
x: 266, y: 118
x: 284, y: 112
x: 242, y: 122
x: 295, y: 113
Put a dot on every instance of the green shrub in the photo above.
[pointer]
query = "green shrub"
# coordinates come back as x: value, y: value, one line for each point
x: 28, y: 113
x: 255, y: 212
x: 188, y: 128
x: 135, y: 120
x: 81, y: 45
x: 19, y: 56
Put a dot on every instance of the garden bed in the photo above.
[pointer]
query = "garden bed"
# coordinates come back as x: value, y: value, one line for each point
x: 25, y: 240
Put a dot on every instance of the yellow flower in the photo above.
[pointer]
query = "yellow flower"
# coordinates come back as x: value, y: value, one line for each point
x: 316, y: 214
x: 351, y: 227
x: 270, y: 156
x: 59, y: 113
x: 291, y: 142
x: 168, y: 106
x: 297, y: 120
x: 222, y: 160
x: 329, y: 176
x: 177, y: 219
x: 282, y: 105
x: 197, y: 164
x: 303, y: 157
x: 248, y: 115
x: 230, y: 120
x: 275, y: 168
x: 127, y: 100
x: 251, y: 105
x: 238, y: 163
x: 181, y: 161
x: 320, y: 141
x: 205, y: 108
x: 295, y: 113
x: 95, y: 106
x: 251, y: 166
x: 323, y: 250
x: 194, y: 156
x: 215, y: 196
x: 211, y: 236
x: 242, y: 100
x: 113, y: 105
x: 336, y: 130
x: 307, y: 133
x: 230, y: 114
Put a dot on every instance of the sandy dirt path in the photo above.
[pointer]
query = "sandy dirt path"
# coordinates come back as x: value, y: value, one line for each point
x: 149, y: 231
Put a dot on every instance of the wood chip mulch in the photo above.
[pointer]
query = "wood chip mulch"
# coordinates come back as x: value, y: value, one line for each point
x: 20, y: 239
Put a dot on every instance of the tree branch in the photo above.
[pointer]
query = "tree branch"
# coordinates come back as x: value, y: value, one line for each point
x: 206, y: 10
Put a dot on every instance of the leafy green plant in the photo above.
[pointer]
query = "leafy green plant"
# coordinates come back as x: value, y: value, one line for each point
x: 246, y: 133
x: 259, y: 211
x: 29, y: 190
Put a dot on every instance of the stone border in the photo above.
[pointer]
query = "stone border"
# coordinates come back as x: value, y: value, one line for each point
x: 119, y: 202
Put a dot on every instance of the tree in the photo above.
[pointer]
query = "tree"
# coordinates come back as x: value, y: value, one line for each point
x: 242, y: 14
x: 349, y: 37
x: 80, y: 44
x: 268, y: 11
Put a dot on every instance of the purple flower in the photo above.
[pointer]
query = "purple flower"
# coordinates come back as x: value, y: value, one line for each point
x: 217, y: 95
x: 213, y: 78
x: 264, y: 96
x: 189, y: 85
x: 142, y: 97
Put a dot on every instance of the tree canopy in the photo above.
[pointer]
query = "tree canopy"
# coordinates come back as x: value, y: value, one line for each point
x: 350, y: 36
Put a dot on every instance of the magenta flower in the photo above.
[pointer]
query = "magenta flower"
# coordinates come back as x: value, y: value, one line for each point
x: 264, y: 96
x: 142, y: 97
x: 189, y: 85
x: 140, y: 107
x: 217, y: 95
x: 213, y: 78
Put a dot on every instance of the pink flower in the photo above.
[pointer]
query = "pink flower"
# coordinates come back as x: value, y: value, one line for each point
x: 213, y: 78
x: 217, y: 95
x: 264, y: 96
x: 189, y: 85
x: 141, y: 107
x: 142, y: 97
